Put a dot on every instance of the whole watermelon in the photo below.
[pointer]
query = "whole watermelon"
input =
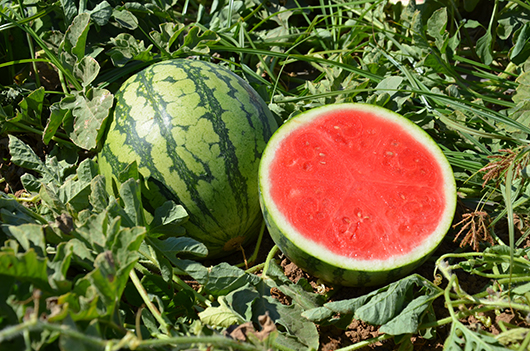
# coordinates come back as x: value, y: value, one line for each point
x: 197, y: 132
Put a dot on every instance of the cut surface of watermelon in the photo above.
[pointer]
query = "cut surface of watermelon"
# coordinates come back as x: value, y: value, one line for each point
x: 357, y: 187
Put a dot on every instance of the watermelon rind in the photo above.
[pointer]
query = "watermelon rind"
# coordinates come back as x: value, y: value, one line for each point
x: 320, y: 261
x: 196, y: 131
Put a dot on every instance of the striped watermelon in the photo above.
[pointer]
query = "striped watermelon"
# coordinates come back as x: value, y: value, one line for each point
x: 355, y: 194
x: 197, y: 132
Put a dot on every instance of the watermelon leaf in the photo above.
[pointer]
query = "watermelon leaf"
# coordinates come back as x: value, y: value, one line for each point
x: 168, y: 219
x: 397, y: 307
x: 76, y: 35
x: 99, y: 198
x: 221, y: 316
x: 172, y: 247
x: 305, y: 332
x: 217, y: 280
x: 462, y: 338
x: 25, y: 267
x: 251, y: 301
x: 397, y: 304
x: 86, y: 70
x: 31, y: 108
x: 23, y: 156
x: 127, y: 48
x: 89, y: 114
x: 125, y: 18
x: 131, y: 197
x: 195, y: 43
x: 101, y: 13
x: 13, y: 212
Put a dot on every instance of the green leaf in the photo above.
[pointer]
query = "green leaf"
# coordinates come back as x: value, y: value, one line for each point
x: 48, y: 195
x: 221, y: 316
x: 131, y: 196
x: 193, y: 42
x: 396, y: 304
x: 57, y: 114
x: 23, y: 156
x: 408, y: 320
x: 389, y: 85
x: 242, y: 301
x: 484, y: 48
x: 398, y: 308
x: 26, y: 266
x: 521, y: 50
x: 129, y: 172
x: 76, y: 36
x: 98, y: 193
x: 60, y: 265
x: 30, y: 237
x: 125, y: 19
x: 172, y: 247
x: 12, y: 212
x: 69, y: 9
x: 250, y: 302
x: 305, y: 332
x: 101, y: 13
x: 112, y: 267
x: 436, y: 25
x: 461, y: 338
x: 75, y: 191
x: 97, y: 229
x: 86, y: 70
x: 523, y: 89
x: 89, y: 114
x: 346, y: 309
x: 166, y: 252
x: 127, y: 48
x: 168, y: 219
x: 169, y: 32
x: 217, y: 280
x: 31, y: 107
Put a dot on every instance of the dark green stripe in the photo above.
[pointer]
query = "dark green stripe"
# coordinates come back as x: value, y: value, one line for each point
x: 144, y: 149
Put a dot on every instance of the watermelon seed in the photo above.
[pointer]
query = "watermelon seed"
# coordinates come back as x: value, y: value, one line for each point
x: 336, y: 127
x: 390, y: 153
x: 322, y: 154
x: 322, y: 162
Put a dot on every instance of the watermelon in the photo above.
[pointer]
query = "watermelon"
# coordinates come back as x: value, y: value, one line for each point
x: 196, y: 132
x: 355, y: 194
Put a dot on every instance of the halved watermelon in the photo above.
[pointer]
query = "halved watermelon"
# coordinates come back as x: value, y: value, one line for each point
x: 355, y: 194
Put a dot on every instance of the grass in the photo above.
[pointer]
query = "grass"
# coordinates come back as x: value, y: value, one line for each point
x: 456, y: 68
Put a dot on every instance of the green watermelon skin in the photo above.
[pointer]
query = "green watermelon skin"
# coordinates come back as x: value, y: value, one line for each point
x: 317, y: 260
x: 196, y: 131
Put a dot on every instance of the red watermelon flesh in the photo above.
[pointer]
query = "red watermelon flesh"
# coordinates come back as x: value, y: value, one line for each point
x: 365, y: 186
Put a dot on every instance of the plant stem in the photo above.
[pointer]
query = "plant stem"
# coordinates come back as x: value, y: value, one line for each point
x: 254, y: 256
x: 218, y: 341
x: 256, y: 268
x: 270, y: 256
x: 37, y: 325
x: 141, y: 290
x: 364, y: 343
